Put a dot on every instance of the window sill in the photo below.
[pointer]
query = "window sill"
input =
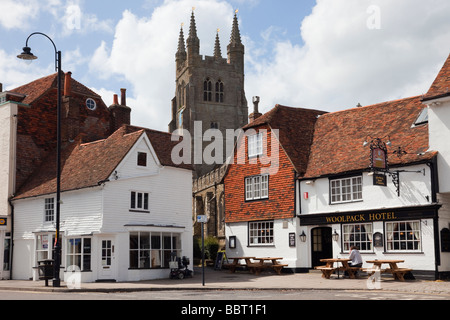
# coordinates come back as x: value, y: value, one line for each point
x: 139, y: 211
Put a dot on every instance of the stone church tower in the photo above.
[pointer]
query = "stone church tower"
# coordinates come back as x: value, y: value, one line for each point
x: 209, y: 91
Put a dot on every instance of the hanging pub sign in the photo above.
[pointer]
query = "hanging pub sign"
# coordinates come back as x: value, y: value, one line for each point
x: 379, y: 159
x: 379, y: 180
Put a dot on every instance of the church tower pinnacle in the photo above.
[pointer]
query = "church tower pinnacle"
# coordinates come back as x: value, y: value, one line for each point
x: 236, y: 49
x: 217, y: 50
x: 193, y: 42
x: 181, y: 52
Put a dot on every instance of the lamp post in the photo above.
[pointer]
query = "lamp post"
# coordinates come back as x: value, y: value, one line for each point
x: 27, y: 55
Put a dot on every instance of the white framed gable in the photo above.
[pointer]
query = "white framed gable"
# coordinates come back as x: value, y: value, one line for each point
x: 140, y: 161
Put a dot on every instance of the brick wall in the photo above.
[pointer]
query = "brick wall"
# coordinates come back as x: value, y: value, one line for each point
x: 279, y: 205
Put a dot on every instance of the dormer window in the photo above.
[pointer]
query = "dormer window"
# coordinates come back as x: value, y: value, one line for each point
x: 423, y: 118
x: 142, y: 159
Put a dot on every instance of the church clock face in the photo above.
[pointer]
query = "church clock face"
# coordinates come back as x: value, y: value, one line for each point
x: 90, y: 104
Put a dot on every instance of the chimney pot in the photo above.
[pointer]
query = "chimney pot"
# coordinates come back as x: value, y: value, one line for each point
x: 255, y: 115
x: 68, y: 84
x: 115, y: 99
x: 123, y: 100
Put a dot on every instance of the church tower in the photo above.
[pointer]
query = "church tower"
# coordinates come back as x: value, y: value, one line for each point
x: 209, y: 91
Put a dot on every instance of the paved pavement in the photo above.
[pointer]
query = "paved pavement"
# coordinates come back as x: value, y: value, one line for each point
x: 242, y: 280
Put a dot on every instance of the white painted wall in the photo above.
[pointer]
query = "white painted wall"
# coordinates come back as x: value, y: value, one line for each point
x: 280, y: 247
x: 8, y: 130
x: 439, y: 135
x: 413, y: 189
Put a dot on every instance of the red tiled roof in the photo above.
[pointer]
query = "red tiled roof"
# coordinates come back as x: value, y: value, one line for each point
x: 338, y: 138
x: 296, y: 129
x: 441, y: 85
x: 35, y: 89
x: 85, y: 165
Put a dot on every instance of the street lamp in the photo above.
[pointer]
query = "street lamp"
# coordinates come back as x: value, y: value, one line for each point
x: 28, y: 56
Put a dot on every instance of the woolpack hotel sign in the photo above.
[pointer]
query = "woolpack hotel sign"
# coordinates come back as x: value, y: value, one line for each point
x: 369, y: 216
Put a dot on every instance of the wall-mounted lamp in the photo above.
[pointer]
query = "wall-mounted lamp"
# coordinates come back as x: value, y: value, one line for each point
x: 303, y: 237
x: 335, y: 236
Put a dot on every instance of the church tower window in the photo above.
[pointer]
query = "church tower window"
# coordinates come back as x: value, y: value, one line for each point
x: 207, y: 90
x: 219, y: 91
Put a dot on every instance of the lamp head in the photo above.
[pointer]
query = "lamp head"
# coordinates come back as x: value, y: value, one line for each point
x: 27, y: 55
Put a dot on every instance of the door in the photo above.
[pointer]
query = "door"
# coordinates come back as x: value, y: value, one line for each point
x: 107, y: 265
x: 5, y: 244
x: 321, y: 245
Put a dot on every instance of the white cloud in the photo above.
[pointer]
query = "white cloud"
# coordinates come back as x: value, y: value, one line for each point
x: 17, y: 13
x: 143, y: 52
x: 344, y: 63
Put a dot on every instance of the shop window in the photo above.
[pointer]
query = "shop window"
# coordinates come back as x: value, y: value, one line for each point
x: 44, y: 246
x: 346, y: 190
x: 152, y: 250
x: 257, y: 187
x: 78, y: 253
x: 403, y: 236
x: 260, y: 233
x: 359, y: 235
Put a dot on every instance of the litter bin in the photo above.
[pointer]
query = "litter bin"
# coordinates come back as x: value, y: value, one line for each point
x: 46, y: 270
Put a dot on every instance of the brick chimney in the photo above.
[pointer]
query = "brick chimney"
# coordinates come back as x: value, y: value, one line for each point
x: 120, y: 113
x: 255, y: 115
x: 68, y: 84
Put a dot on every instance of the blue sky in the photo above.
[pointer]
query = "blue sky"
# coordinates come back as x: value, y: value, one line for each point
x: 324, y: 54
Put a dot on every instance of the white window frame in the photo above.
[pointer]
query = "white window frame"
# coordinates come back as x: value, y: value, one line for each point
x: 141, y: 204
x: 346, y: 190
x: 353, y: 235
x: 257, y: 187
x: 44, y: 246
x: 261, y: 233
x: 49, y: 210
x: 410, y: 236
x: 72, y: 254
x: 255, y: 145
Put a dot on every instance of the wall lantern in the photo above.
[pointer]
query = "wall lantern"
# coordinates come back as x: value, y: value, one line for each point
x: 335, y: 236
x: 303, y: 237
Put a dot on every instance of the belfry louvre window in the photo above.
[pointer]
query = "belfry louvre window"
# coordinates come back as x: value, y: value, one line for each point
x: 219, y: 91
x: 207, y: 90
x: 346, y: 190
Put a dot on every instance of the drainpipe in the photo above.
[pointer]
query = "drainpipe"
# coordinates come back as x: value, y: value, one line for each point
x: 12, y: 240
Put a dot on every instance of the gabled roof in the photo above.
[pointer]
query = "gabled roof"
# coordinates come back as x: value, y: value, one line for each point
x: 296, y: 129
x: 339, y: 136
x: 441, y: 85
x: 35, y: 89
x: 85, y: 165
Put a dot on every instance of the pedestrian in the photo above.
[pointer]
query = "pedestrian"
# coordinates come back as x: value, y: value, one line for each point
x: 356, y: 259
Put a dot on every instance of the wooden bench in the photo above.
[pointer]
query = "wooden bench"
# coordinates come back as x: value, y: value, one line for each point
x: 326, y: 271
x: 399, y: 273
x: 278, y: 267
x: 258, y: 267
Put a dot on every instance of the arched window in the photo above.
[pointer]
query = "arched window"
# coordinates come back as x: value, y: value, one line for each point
x: 207, y: 90
x: 219, y: 91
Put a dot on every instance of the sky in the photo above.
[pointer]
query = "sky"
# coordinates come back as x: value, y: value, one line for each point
x: 320, y: 54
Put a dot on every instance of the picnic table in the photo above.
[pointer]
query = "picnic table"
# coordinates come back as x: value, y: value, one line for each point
x: 329, y: 268
x: 398, y: 273
x: 273, y: 263
x: 232, y: 266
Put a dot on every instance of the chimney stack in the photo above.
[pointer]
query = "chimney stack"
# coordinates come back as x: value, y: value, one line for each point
x: 68, y: 84
x: 123, y: 100
x: 120, y: 113
x: 255, y: 115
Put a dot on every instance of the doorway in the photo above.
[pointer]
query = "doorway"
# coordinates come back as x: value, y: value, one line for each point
x: 321, y: 245
x: 107, y: 265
